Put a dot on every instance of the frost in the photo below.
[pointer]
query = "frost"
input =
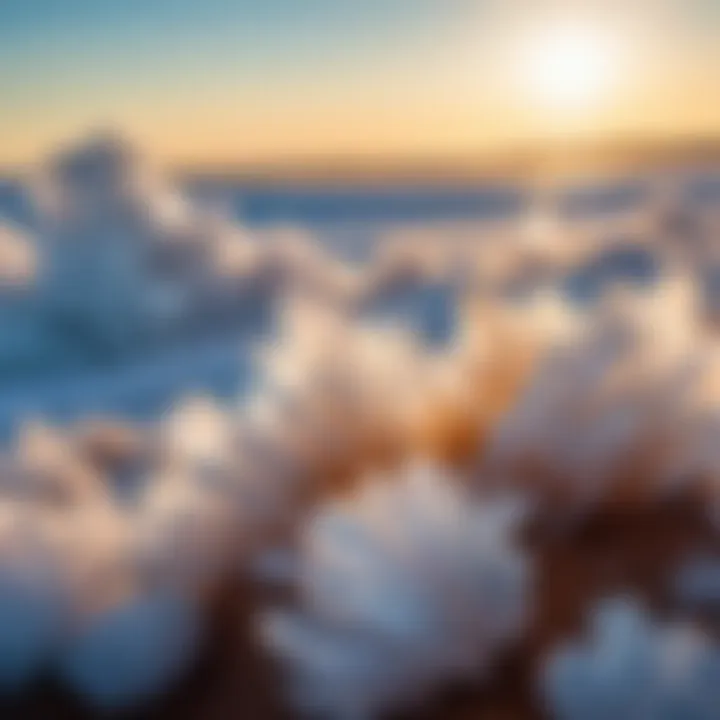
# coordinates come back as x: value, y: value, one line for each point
x: 32, y: 601
x: 609, y: 404
x: 406, y: 585
x: 631, y: 667
x: 132, y: 652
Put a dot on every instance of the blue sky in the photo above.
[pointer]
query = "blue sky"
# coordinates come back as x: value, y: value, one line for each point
x: 60, y: 39
x: 190, y: 75
x: 96, y: 60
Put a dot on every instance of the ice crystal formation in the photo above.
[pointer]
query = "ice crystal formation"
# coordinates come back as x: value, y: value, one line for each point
x: 404, y: 586
x: 632, y: 667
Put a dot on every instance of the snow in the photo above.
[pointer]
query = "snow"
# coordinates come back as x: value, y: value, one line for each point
x: 133, y: 652
x: 632, y: 667
x: 577, y: 337
x: 404, y: 586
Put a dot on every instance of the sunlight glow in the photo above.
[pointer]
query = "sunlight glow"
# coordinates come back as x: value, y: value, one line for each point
x: 569, y: 65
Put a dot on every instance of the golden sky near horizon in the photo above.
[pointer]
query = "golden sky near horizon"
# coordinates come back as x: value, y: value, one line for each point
x: 234, y: 80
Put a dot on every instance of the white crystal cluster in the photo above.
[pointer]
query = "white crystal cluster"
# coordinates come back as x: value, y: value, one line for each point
x: 348, y: 381
x: 130, y: 260
x: 122, y: 258
x: 404, y: 586
x: 623, y: 410
x: 633, y: 668
x: 111, y: 538
x: 77, y: 597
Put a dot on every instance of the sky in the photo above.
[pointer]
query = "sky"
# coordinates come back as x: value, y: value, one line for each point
x: 222, y: 81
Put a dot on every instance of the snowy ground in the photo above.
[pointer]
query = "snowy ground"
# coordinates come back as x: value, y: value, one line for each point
x: 461, y: 421
x: 352, y: 225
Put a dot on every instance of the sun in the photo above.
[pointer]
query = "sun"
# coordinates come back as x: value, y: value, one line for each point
x: 569, y: 65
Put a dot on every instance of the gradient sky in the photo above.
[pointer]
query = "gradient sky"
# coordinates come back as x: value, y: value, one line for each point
x: 234, y: 80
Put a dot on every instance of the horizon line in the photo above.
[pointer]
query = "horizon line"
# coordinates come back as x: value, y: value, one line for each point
x: 533, y: 156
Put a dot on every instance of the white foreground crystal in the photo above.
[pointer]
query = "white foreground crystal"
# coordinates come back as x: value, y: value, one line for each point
x: 633, y: 669
x: 406, y: 586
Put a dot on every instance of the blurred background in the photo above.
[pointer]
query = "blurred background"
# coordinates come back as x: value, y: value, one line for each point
x: 351, y: 123
x: 255, y: 251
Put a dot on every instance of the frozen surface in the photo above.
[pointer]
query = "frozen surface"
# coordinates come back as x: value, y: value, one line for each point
x: 403, y: 587
x: 632, y: 667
